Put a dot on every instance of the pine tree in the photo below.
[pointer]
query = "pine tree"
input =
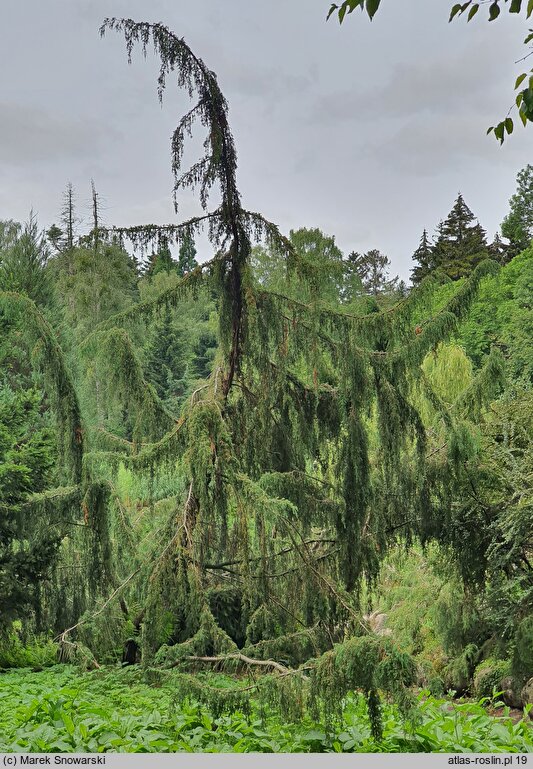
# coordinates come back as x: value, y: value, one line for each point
x: 424, y: 260
x: 186, y: 257
x: 460, y: 243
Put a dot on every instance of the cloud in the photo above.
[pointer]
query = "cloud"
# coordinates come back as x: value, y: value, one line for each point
x: 442, y: 86
x: 30, y: 134
x: 426, y: 143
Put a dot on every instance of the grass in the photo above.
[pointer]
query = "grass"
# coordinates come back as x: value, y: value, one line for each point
x: 63, y: 710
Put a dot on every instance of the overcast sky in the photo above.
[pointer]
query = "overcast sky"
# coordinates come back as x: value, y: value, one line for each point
x: 367, y: 131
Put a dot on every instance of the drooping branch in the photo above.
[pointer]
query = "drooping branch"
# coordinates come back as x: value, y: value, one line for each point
x: 48, y: 357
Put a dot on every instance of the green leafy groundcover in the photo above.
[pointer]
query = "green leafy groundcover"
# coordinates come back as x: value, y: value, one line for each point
x: 63, y: 710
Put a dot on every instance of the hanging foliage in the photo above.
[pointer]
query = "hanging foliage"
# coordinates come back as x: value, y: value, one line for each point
x: 276, y: 491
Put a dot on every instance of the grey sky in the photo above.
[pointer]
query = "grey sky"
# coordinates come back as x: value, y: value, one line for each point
x: 367, y: 131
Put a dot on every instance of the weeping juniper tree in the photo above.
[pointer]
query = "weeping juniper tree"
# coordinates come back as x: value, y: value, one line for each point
x: 301, y: 459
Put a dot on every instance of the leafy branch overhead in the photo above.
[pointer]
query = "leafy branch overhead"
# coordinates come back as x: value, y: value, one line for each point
x: 524, y: 97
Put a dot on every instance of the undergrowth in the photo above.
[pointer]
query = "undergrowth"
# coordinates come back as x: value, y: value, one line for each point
x: 110, y: 710
x: 17, y: 651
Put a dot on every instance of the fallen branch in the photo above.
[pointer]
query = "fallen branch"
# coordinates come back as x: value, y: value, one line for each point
x: 284, y: 671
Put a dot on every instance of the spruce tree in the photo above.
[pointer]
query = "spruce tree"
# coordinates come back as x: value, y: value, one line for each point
x: 161, y: 260
x: 167, y: 360
x: 424, y: 260
x: 29, y: 542
x: 27, y: 548
x: 460, y: 243
x: 186, y: 257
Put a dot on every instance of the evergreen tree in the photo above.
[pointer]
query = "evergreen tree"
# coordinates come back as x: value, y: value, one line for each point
x: 294, y: 465
x: 498, y: 250
x: 307, y: 401
x: 424, y: 260
x: 373, y: 270
x: 167, y: 360
x: 204, y: 354
x: 55, y: 237
x: 96, y: 207
x: 517, y: 226
x: 161, y: 260
x: 28, y: 547
x: 23, y: 263
x: 460, y: 243
x: 402, y: 290
x: 186, y: 256
x: 91, y: 285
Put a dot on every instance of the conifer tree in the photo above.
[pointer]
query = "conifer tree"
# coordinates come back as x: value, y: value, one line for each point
x: 27, y: 548
x: 186, y: 257
x: 498, y: 250
x: 274, y: 448
x: 423, y: 258
x: 460, y: 243
x: 95, y: 215
x: 204, y: 354
x: 292, y: 385
x: 92, y: 285
x: 297, y: 463
x: 23, y: 263
x: 161, y: 260
x: 167, y: 360
x: 373, y: 270
x: 29, y: 538
x: 55, y: 237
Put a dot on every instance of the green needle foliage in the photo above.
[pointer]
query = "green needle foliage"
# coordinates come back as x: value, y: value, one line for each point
x: 304, y: 454
x: 268, y: 495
